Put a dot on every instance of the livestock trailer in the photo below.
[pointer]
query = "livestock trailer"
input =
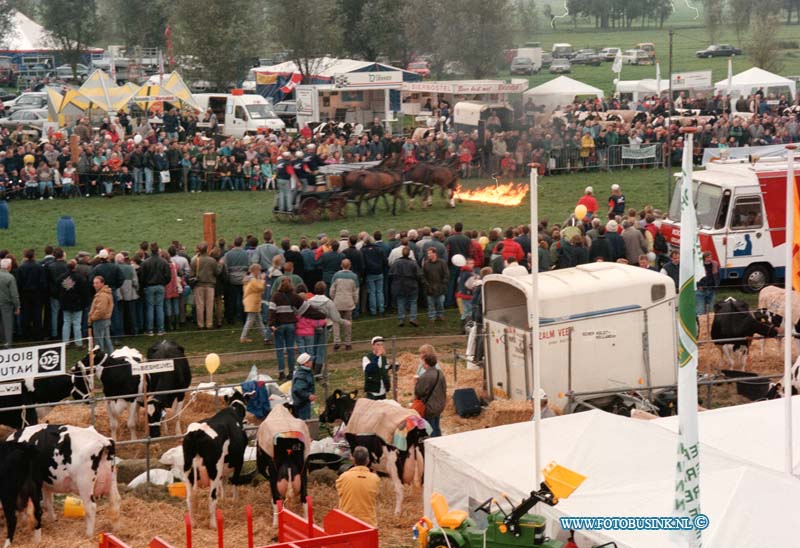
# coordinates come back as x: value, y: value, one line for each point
x: 602, y: 327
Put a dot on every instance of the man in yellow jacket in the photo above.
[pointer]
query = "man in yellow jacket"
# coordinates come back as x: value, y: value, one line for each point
x: 358, y: 489
x: 100, y: 314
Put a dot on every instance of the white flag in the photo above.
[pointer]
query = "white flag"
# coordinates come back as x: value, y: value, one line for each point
x: 658, y: 79
x: 617, y: 65
x: 687, y: 483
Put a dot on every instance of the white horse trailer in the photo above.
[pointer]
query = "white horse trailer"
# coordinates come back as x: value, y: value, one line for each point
x: 602, y: 327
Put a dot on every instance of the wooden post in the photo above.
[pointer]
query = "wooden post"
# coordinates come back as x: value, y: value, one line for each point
x: 210, y: 229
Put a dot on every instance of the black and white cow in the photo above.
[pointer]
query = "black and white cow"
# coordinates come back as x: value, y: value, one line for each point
x: 178, y: 379
x: 72, y: 459
x: 283, y: 446
x: 402, y: 467
x: 734, y: 327
x: 212, y: 449
x: 21, y: 482
x: 39, y: 391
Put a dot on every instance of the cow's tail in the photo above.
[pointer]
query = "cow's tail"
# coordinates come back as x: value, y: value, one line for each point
x: 191, y: 441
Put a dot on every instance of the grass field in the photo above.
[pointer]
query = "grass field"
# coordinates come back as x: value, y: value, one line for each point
x: 123, y: 222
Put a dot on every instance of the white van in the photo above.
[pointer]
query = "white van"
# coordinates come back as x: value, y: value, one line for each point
x: 562, y: 51
x: 240, y: 114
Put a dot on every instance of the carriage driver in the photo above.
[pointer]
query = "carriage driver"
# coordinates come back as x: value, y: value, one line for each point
x: 284, y: 172
x: 312, y: 161
x: 302, y: 173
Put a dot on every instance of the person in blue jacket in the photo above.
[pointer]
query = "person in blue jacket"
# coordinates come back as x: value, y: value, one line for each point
x: 303, y: 387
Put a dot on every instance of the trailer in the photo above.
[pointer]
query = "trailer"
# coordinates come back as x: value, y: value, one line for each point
x: 602, y: 326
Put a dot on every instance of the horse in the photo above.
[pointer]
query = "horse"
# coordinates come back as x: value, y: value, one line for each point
x: 375, y: 183
x: 425, y: 175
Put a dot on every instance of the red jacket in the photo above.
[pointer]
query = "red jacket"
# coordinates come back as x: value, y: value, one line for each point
x: 589, y: 202
x: 512, y: 249
x: 477, y: 253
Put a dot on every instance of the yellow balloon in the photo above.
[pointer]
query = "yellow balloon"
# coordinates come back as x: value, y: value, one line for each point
x: 580, y: 212
x: 212, y: 363
x: 28, y: 159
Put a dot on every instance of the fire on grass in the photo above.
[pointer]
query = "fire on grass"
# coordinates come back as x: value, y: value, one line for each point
x: 504, y: 194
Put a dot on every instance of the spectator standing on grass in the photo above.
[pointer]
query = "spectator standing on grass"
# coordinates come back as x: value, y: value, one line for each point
x: 204, y: 270
x: 377, y: 381
x: 154, y: 275
x: 589, y: 202
x: 345, y: 296
x: 55, y: 269
x: 375, y: 262
x: 73, y: 296
x: 406, y: 281
x: 435, y: 273
x: 237, y: 263
x: 9, y: 301
x: 283, y: 308
x: 100, y: 314
x: 127, y: 295
x: 32, y: 284
x: 253, y: 289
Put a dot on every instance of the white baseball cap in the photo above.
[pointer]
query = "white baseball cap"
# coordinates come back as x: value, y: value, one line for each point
x: 376, y: 340
x: 615, y: 187
x: 588, y: 190
x: 304, y: 358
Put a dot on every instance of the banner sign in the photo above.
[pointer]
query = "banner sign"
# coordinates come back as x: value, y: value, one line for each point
x: 11, y: 389
x: 459, y: 87
x: 368, y: 79
x: 32, y: 362
x: 145, y: 368
x: 639, y: 153
x: 699, y: 79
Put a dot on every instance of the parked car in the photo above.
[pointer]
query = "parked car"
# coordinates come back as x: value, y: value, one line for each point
x: 27, y: 101
x: 636, y: 57
x: 648, y: 47
x: 721, y: 50
x: 419, y: 67
x: 523, y: 65
x: 287, y: 111
x: 64, y: 72
x: 29, y: 119
x: 586, y: 57
x: 562, y: 51
x: 609, y: 54
x: 547, y: 58
x: 560, y: 66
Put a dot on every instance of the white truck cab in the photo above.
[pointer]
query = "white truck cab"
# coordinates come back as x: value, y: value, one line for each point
x: 240, y: 114
x: 741, y: 218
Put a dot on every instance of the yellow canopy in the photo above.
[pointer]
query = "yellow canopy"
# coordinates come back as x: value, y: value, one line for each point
x: 103, y: 92
x: 65, y: 108
x: 172, y: 90
x: 54, y: 100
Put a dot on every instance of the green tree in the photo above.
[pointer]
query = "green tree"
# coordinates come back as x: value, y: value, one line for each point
x: 72, y: 26
x: 307, y: 30
x: 219, y: 35
x: 6, y: 13
x: 136, y: 23
x: 763, y: 48
x: 526, y: 17
x: 475, y: 34
x: 713, y: 18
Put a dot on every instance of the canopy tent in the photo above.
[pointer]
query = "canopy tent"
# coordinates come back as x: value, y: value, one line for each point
x: 278, y: 81
x: 642, y: 88
x: 104, y: 93
x: 630, y: 470
x: 169, y: 88
x: 560, y: 91
x: 65, y: 108
x: 748, y: 82
x: 27, y: 35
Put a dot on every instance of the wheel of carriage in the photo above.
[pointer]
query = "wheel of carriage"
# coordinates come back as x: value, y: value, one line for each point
x: 336, y: 208
x: 310, y: 209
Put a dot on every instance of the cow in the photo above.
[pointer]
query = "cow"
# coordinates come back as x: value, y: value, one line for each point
x: 284, y: 444
x: 734, y: 327
x: 22, y: 482
x: 372, y: 424
x: 36, y: 391
x: 177, y: 379
x: 213, y: 448
x: 72, y: 459
x: 772, y: 298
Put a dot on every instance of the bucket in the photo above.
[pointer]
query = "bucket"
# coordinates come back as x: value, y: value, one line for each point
x: 73, y: 508
x: 65, y: 231
x: 177, y: 489
x: 753, y: 390
x: 561, y: 481
x: 3, y: 214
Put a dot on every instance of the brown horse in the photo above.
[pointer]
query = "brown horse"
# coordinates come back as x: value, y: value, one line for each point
x: 425, y: 175
x: 372, y: 184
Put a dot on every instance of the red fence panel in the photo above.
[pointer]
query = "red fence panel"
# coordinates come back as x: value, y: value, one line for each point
x: 110, y: 541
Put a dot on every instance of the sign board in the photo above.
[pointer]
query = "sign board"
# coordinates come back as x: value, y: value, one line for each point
x: 700, y: 79
x: 466, y: 87
x: 145, y: 368
x: 368, y: 79
x: 32, y: 362
x: 306, y: 101
x: 11, y: 389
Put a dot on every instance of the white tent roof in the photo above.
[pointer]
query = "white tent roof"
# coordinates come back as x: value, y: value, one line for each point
x: 324, y: 67
x: 648, y: 86
x: 753, y: 432
x: 630, y: 470
x: 27, y: 34
x: 560, y: 91
x: 750, y: 80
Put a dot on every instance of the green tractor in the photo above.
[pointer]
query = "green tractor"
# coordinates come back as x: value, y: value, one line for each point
x: 513, y: 528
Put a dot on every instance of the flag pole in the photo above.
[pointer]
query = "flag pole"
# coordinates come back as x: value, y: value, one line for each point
x: 788, y: 324
x: 533, y: 322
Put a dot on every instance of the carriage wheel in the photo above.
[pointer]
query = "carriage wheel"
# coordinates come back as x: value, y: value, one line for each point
x: 310, y: 209
x: 337, y: 208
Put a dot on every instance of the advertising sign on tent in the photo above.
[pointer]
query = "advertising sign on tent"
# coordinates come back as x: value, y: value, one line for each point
x: 367, y: 79
x: 32, y: 362
x: 692, y: 80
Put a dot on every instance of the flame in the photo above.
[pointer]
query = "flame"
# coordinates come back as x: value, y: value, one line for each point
x: 508, y: 194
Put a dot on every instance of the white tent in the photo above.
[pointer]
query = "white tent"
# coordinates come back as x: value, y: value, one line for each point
x: 753, y: 432
x: 27, y: 35
x: 630, y: 470
x: 560, y: 91
x: 642, y: 88
x: 748, y: 82
x: 323, y: 67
